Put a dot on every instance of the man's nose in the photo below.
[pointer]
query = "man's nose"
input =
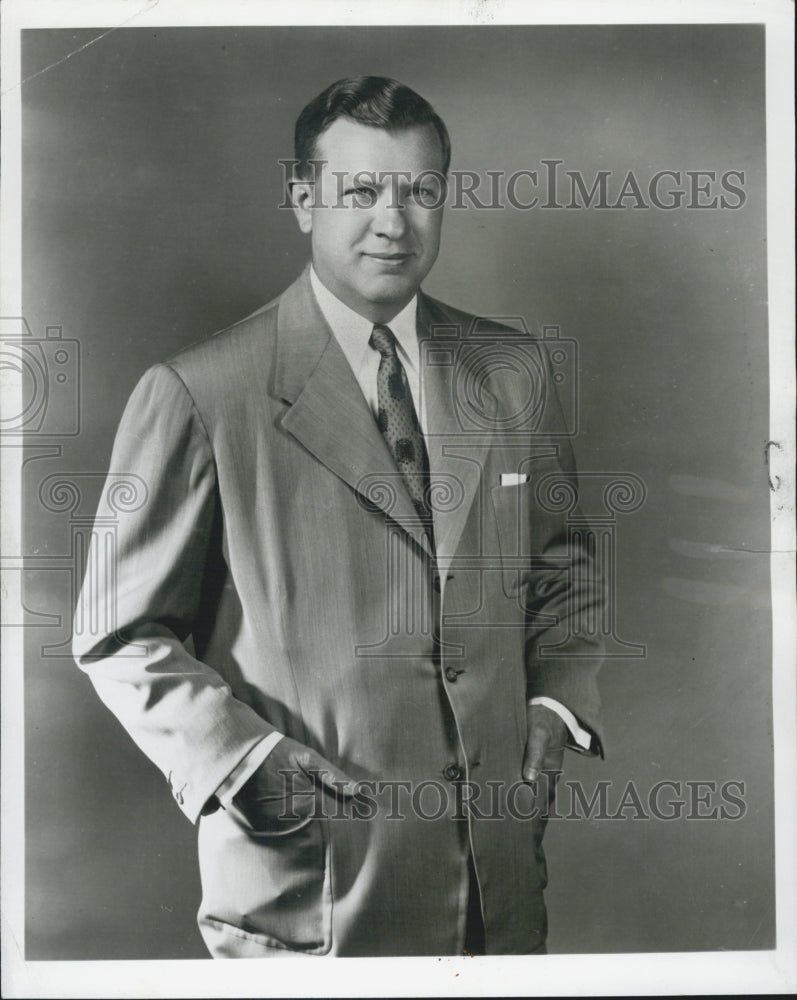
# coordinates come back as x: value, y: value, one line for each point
x: 389, y: 218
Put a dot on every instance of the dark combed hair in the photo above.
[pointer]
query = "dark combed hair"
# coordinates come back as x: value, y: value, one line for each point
x: 370, y: 100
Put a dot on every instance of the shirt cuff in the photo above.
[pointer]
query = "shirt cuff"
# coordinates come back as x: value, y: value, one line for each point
x: 581, y: 737
x: 239, y: 776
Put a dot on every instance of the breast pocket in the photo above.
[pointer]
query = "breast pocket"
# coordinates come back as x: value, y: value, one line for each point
x: 514, y: 515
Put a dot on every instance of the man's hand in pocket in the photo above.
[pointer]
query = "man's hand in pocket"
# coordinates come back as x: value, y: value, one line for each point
x: 545, y: 748
x: 283, y: 793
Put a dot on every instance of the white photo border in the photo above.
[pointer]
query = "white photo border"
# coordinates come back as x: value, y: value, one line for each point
x: 554, y: 975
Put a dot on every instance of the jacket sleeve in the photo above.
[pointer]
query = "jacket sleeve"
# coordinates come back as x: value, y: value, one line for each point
x: 567, y: 592
x: 141, y: 600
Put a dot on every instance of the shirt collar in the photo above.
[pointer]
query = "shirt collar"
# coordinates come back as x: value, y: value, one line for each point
x: 353, y: 331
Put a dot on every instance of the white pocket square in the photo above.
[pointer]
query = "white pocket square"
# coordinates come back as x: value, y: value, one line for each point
x: 514, y: 478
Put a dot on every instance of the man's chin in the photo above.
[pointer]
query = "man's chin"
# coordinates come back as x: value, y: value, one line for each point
x: 388, y: 289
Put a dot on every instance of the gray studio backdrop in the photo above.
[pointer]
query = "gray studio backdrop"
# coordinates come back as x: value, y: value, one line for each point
x: 151, y: 187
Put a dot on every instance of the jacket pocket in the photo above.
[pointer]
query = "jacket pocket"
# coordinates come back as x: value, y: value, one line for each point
x: 273, y: 890
x: 513, y: 512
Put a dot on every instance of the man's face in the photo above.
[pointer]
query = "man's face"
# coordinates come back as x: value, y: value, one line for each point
x: 374, y: 236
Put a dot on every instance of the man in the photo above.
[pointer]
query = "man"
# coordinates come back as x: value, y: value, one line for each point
x: 343, y: 624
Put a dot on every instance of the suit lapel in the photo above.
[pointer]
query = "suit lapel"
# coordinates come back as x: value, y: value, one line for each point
x: 329, y: 414
x: 456, y: 454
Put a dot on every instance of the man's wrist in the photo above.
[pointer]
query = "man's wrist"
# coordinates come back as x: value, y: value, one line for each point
x: 581, y: 738
x: 239, y: 776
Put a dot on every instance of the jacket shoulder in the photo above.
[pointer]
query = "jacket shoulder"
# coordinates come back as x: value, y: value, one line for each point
x: 469, y: 324
x: 232, y: 346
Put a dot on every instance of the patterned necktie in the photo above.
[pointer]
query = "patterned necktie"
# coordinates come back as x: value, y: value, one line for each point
x: 398, y: 422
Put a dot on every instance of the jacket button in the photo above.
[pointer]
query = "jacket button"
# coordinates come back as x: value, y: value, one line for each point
x: 451, y: 674
x: 452, y: 772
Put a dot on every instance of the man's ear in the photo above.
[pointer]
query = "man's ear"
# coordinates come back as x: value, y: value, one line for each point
x: 302, y: 196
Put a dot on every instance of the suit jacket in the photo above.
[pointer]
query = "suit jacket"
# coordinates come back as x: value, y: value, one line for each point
x: 277, y: 577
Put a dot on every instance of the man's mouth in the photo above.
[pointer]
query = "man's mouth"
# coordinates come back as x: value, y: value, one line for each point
x: 394, y: 259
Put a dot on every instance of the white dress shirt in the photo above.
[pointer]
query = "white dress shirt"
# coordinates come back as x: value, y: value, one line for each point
x: 353, y: 333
